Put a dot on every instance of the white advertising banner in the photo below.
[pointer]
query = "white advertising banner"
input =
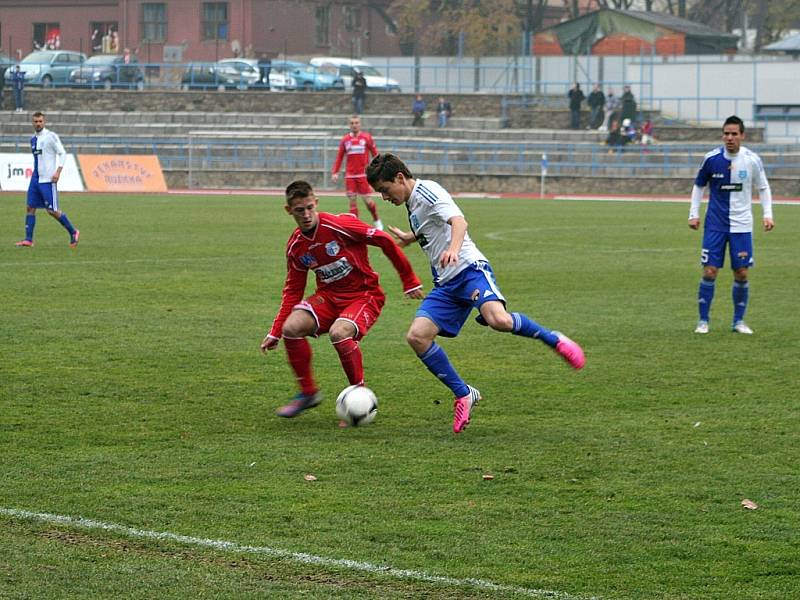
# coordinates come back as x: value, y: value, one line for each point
x: 16, y: 171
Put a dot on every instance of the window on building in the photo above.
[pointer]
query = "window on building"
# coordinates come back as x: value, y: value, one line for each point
x: 323, y: 23
x: 352, y: 18
x: 215, y: 20
x: 103, y: 36
x: 46, y: 36
x: 154, y: 22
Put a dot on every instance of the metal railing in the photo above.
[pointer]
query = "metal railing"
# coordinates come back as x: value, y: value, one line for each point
x: 225, y: 151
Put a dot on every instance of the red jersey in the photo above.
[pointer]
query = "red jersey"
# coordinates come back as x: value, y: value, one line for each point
x: 337, y: 253
x: 360, y: 149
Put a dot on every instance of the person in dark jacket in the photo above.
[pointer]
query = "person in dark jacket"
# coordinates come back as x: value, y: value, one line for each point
x: 576, y: 98
x: 628, y: 104
x: 359, y: 92
x: 18, y: 84
x: 596, y: 101
x: 418, y: 110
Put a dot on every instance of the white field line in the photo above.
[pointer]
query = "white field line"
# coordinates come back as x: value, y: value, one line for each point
x: 127, y: 261
x: 299, y: 557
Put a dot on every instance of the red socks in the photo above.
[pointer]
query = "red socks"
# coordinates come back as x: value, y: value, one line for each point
x: 352, y: 360
x: 298, y: 351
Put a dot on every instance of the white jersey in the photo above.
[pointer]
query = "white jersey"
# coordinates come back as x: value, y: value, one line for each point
x: 429, y: 209
x: 48, y: 154
x: 730, y: 178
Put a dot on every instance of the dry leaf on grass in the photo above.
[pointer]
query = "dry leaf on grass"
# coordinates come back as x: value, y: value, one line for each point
x: 749, y: 504
x: 309, y: 477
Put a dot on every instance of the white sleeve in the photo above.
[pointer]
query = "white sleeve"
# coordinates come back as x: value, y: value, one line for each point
x: 697, y: 197
x: 765, y: 196
x: 61, y: 154
x: 764, y: 191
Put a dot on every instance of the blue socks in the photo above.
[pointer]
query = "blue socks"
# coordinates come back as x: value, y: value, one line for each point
x: 67, y: 225
x: 437, y: 362
x: 526, y: 327
x: 741, y: 293
x: 30, y: 223
x: 704, y: 297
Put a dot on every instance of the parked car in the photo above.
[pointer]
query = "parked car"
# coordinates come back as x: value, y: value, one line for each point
x: 232, y: 73
x: 5, y: 63
x: 107, y: 71
x: 344, y: 68
x: 308, y: 77
x: 49, y: 67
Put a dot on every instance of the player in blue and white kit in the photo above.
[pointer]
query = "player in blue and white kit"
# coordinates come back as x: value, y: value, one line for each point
x: 48, y: 160
x: 730, y: 172
x: 462, y: 276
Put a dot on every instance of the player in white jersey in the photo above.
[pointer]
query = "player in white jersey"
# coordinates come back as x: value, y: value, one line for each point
x: 48, y: 160
x: 462, y: 276
x: 730, y: 172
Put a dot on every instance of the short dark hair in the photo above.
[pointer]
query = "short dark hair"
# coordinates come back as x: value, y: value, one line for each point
x: 385, y: 167
x: 298, y: 189
x: 734, y: 120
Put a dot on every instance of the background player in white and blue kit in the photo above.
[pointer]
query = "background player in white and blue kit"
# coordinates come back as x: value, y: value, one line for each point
x: 462, y: 276
x: 730, y: 171
x: 48, y: 160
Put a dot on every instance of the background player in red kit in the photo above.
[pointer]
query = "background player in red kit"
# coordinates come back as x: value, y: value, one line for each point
x: 360, y: 148
x: 348, y: 298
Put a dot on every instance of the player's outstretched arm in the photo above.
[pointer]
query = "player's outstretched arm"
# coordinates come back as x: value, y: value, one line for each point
x: 404, y: 238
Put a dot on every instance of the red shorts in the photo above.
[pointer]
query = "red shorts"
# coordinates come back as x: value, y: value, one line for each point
x: 362, y: 312
x: 357, y: 185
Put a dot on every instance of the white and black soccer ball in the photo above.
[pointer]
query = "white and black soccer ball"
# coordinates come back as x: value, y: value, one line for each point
x: 357, y: 405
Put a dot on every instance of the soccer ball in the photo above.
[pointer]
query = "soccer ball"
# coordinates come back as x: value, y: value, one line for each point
x: 357, y: 405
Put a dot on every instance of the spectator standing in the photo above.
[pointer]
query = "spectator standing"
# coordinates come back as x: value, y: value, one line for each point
x: 596, y: 101
x: 18, y: 83
x: 265, y: 66
x: 444, y: 110
x: 611, y: 106
x: 418, y: 110
x: 359, y: 92
x: 628, y: 104
x: 576, y: 98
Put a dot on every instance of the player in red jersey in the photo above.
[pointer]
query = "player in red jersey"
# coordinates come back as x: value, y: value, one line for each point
x: 360, y: 149
x: 348, y: 298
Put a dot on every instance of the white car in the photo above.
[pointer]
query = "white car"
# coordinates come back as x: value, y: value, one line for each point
x: 345, y: 67
x: 247, y: 73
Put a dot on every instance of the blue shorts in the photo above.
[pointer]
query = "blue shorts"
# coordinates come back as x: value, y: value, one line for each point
x: 740, y: 247
x: 43, y: 195
x: 449, y: 304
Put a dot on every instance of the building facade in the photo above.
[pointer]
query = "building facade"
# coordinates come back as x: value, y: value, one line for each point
x: 197, y: 30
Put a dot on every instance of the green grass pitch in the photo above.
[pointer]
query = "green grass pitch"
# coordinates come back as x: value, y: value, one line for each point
x: 132, y: 391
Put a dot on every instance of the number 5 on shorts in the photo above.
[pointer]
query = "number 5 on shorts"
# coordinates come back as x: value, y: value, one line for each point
x: 703, y: 256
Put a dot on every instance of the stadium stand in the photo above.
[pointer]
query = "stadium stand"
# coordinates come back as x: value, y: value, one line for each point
x: 252, y: 149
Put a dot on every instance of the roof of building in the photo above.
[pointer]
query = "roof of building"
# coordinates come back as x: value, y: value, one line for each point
x: 578, y: 35
x: 788, y: 44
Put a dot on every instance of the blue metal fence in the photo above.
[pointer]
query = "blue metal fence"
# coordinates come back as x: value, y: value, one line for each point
x: 512, y: 158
